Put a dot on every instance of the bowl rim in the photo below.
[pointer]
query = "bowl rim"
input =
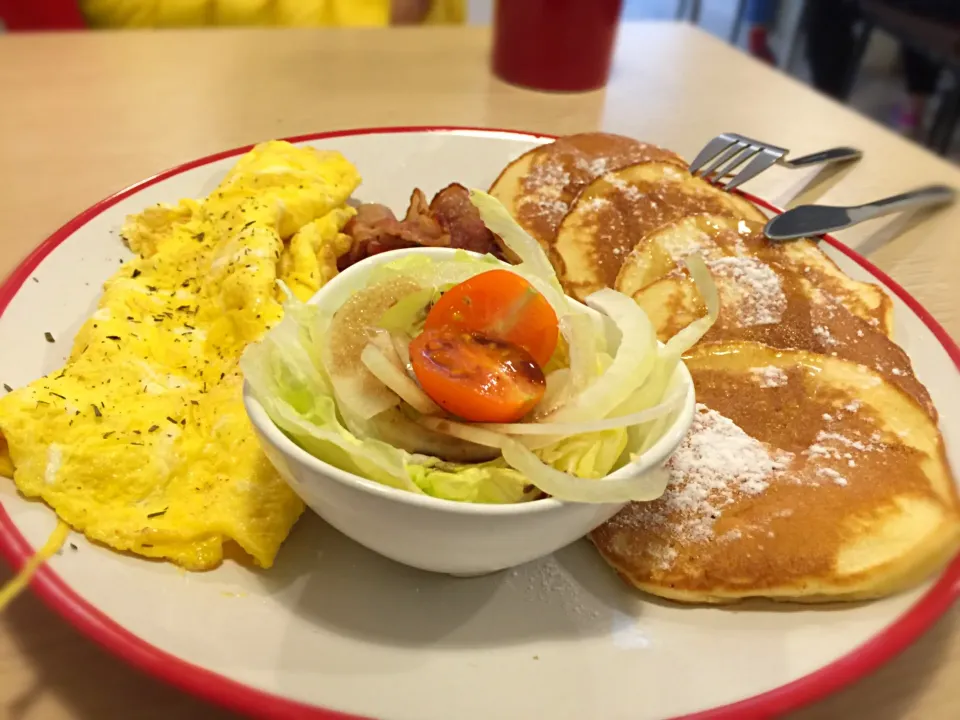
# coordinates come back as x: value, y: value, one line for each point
x: 653, y: 457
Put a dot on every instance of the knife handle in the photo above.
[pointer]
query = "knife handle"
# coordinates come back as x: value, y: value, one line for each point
x: 921, y: 197
x: 833, y: 155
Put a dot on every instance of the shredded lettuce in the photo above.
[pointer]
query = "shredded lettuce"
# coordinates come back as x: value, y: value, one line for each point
x: 408, y: 315
x: 432, y: 274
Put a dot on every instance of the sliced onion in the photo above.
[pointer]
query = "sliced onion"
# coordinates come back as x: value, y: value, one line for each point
x: 401, y: 346
x: 676, y: 346
x: 626, y: 373
x: 561, y: 430
x: 463, y: 431
x: 535, y: 266
x: 498, y: 220
x: 558, y: 389
x: 403, y: 431
x: 583, y: 336
x: 691, y: 334
x: 390, y: 372
x: 563, y: 486
x: 353, y: 386
x: 581, y: 339
x: 381, y: 340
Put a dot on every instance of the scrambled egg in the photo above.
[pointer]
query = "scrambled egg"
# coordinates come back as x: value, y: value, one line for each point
x: 141, y: 441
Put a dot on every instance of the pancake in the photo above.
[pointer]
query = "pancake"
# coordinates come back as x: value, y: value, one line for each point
x: 539, y: 187
x: 814, y: 323
x: 811, y: 322
x: 617, y: 211
x: 804, y: 477
x: 658, y: 253
x: 779, y: 295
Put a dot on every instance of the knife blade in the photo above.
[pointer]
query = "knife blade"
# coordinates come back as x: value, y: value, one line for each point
x: 808, y: 220
x: 812, y: 220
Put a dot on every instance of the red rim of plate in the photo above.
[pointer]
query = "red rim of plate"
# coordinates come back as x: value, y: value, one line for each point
x: 239, y: 697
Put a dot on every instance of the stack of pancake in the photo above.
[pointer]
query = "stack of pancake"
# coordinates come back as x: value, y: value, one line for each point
x: 814, y: 470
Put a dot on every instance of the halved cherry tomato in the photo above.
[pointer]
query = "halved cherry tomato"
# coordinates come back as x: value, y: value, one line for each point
x: 501, y: 305
x: 475, y: 377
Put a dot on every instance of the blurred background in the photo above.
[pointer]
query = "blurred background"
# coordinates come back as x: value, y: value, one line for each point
x: 897, y: 61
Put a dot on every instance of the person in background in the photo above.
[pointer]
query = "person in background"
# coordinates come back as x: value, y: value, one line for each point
x: 830, y: 43
x: 922, y: 77
x: 760, y: 16
x: 830, y: 52
x: 286, y: 13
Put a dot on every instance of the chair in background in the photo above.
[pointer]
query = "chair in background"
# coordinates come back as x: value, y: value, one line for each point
x: 690, y: 10
x: 936, y: 40
x: 777, y: 13
x: 738, y: 19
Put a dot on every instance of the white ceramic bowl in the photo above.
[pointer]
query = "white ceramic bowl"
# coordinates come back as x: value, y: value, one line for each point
x: 430, y: 533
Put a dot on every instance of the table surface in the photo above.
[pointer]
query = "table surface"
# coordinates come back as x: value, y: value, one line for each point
x: 87, y: 114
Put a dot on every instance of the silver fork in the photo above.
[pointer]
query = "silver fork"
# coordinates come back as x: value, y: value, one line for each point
x: 728, y: 151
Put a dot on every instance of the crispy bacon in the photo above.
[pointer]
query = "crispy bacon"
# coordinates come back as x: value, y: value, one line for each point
x: 375, y: 229
x: 450, y: 220
x: 458, y: 216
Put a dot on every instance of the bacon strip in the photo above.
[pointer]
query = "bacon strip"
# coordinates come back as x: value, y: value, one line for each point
x: 450, y: 220
x: 458, y: 216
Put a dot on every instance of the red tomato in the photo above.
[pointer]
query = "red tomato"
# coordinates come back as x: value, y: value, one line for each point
x: 477, y: 378
x: 501, y: 305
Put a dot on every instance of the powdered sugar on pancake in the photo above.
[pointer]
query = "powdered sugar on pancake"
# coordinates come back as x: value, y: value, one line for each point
x: 595, y: 204
x: 594, y: 167
x: 716, y: 464
x: 769, y: 376
x: 630, y: 192
x: 547, y: 182
x: 753, y: 287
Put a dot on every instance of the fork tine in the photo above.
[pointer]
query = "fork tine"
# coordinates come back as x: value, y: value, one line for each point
x: 710, y: 151
x: 710, y: 173
x: 749, y: 153
x: 749, y: 141
x: 759, y: 163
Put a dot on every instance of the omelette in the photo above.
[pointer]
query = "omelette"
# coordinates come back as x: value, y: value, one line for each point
x: 141, y: 440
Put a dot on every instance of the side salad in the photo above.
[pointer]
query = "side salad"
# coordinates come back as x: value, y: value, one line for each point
x: 468, y: 379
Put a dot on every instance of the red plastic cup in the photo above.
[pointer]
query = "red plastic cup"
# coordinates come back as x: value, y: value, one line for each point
x: 562, y: 45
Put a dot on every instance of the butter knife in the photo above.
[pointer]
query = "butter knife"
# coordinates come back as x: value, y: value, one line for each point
x: 812, y: 220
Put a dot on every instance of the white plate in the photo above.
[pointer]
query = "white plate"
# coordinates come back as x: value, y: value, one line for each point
x: 334, y: 626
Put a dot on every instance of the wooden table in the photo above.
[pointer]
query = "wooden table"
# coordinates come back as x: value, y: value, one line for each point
x: 84, y: 115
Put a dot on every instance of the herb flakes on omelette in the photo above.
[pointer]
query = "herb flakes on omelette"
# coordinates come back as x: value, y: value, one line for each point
x: 141, y: 441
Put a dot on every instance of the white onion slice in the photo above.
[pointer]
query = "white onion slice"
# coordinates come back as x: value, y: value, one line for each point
x: 557, y: 392
x: 391, y: 374
x: 626, y: 373
x: 676, y: 346
x: 561, y: 430
x: 401, y: 346
x: 642, y: 488
x: 534, y: 265
x: 562, y: 486
x: 691, y: 334
x: 579, y: 332
x: 498, y: 220
x: 463, y: 431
